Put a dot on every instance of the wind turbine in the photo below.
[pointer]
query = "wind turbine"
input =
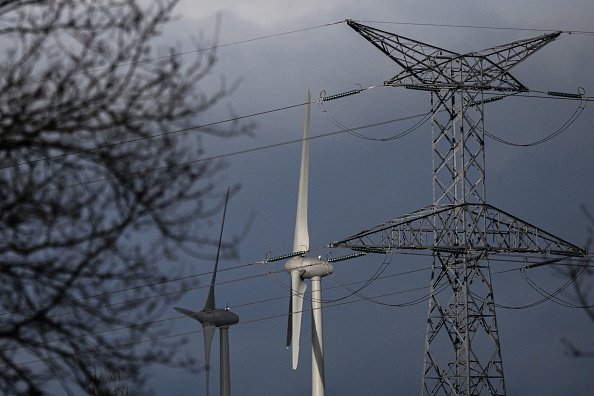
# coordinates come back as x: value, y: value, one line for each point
x: 211, y: 317
x: 301, y: 268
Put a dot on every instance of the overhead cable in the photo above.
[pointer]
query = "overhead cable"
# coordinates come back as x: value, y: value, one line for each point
x: 584, y: 32
x: 562, y: 128
x: 372, y: 299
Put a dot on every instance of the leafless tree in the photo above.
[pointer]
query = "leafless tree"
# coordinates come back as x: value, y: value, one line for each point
x: 96, y: 192
x: 111, y: 384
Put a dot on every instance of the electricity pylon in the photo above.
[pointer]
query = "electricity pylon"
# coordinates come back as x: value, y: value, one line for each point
x: 462, y: 231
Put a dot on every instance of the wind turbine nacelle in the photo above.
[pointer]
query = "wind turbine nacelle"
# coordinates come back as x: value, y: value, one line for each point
x: 217, y: 317
x: 309, y: 267
x: 321, y: 269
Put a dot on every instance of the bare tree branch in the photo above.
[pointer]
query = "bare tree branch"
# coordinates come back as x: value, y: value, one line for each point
x: 74, y: 81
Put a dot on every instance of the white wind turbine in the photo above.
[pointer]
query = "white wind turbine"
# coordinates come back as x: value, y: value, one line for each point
x: 300, y: 268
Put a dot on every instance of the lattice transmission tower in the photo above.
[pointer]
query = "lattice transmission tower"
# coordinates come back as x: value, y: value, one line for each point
x: 462, y: 232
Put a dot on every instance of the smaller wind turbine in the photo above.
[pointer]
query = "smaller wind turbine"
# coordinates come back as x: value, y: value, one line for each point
x: 300, y: 268
x: 211, y: 317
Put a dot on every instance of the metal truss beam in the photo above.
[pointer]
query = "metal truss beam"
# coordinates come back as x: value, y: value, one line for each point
x: 439, y: 228
x: 431, y: 66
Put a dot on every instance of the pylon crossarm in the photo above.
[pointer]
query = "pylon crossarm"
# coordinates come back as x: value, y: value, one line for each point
x: 496, y: 62
x: 507, y: 56
x: 438, y: 68
x: 379, y: 236
x: 412, y: 55
x: 489, y: 230
x: 507, y: 233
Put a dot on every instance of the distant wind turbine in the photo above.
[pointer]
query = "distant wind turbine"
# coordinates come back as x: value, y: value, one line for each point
x: 211, y: 317
x: 300, y: 268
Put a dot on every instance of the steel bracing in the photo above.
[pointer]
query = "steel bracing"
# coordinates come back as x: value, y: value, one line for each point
x: 460, y: 230
x: 439, y: 228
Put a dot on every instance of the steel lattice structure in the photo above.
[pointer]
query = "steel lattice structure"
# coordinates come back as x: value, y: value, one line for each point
x: 462, y: 232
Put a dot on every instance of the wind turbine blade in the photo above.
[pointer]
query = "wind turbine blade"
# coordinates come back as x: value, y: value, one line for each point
x: 210, y: 301
x: 301, y: 241
x: 290, y: 318
x: 187, y: 312
x: 208, y: 331
x: 298, y: 287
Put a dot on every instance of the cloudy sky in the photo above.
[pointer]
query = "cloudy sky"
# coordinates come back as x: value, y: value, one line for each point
x: 279, y: 50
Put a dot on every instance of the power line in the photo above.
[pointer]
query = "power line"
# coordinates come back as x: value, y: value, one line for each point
x: 137, y: 300
x: 177, y: 54
x: 520, y: 260
x: 254, y: 39
x: 254, y: 149
x: 552, y: 135
x: 583, y: 99
x: 270, y: 317
x: 372, y: 299
x: 235, y: 306
x: 256, y: 320
x: 152, y: 136
x: 186, y: 129
x: 231, y: 154
x: 100, y: 295
x: 546, y: 295
x: 584, y: 32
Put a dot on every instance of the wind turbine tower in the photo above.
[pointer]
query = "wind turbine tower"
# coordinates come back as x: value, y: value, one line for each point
x: 460, y: 229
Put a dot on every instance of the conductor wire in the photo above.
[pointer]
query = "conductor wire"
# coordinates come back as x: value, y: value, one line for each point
x: 424, y: 118
x: 567, y: 124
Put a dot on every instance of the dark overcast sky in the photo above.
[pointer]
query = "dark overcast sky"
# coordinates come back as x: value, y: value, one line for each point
x: 356, y: 183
